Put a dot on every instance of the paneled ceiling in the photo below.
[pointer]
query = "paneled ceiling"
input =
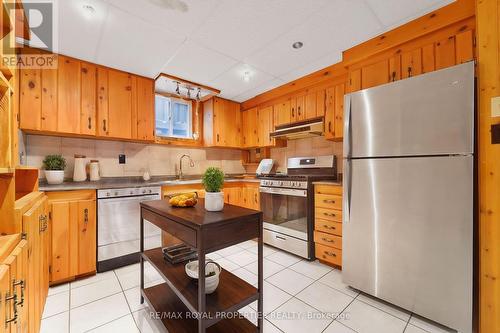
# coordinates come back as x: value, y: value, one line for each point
x: 214, y: 42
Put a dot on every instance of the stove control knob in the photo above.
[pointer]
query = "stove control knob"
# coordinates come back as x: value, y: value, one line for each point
x: 116, y: 193
x: 108, y: 194
x: 281, y: 183
x: 131, y: 192
x: 143, y: 191
x: 150, y: 191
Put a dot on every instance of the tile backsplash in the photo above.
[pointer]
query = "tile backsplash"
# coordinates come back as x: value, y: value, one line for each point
x: 316, y: 146
x: 159, y: 160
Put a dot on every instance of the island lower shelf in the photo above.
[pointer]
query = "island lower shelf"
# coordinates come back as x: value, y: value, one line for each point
x: 231, y: 295
x: 168, y: 307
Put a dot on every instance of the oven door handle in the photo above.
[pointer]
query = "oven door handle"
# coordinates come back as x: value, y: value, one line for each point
x: 284, y: 191
x: 130, y: 199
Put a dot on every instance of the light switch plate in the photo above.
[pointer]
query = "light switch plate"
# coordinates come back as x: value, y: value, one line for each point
x: 495, y: 106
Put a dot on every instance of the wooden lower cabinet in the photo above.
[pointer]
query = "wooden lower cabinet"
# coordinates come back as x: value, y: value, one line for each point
x: 328, y: 223
x: 72, y: 234
x: 243, y: 194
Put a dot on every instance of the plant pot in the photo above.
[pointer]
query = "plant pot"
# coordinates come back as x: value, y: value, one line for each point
x: 214, y: 201
x: 54, y: 177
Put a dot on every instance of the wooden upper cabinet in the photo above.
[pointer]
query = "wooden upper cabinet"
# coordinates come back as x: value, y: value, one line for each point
x: 222, y: 123
x: 49, y: 112
x: 411, y: 63
x: 120, y: 104
x: 145, y: 109
x: 445, y: 53
x: 375, y: 74
x: 102, y: 102
x: 310, y: 105
x: 464, y: 47
x: 282, y: 113
x: 428, y: 58
x: 249, y: 124
x: 89, y: 99
x: 330, y: 113
x: 339, y: 111
x: 355, y: 80
x: 265, y: 117
x: 69, y: 95
x: 30, y: 101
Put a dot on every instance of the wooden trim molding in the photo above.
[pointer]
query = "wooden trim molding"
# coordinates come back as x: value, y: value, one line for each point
x: 488, y: 45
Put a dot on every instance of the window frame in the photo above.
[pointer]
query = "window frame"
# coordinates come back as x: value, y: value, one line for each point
x: 170, y: 120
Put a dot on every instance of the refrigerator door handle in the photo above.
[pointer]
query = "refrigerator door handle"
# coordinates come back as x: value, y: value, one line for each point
x: 347, y: 126
x: 347, y: 190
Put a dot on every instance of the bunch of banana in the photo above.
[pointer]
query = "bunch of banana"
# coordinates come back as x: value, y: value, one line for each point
x: 184, y: 200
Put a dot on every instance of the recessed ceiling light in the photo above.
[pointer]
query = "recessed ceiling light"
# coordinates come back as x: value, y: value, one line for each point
x: 246, y: 76
x: 297, y: 45
x: 88, y: 10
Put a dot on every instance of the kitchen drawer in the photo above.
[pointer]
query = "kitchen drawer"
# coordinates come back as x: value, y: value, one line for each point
x: 331, y: 201
x: 328, y: 214
x: 328, y: 239
x: 328, y: 189
x: 329, y: 227
x: 329, y: 254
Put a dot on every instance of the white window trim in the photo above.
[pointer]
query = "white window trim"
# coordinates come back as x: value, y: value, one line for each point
x: 170, y: 119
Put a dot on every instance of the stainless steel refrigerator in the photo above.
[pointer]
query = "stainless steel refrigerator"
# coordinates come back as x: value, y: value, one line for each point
x: 409, y: 194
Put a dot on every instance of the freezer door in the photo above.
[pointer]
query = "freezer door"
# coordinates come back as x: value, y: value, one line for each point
x: 430, y: 114
x: 408, y: 234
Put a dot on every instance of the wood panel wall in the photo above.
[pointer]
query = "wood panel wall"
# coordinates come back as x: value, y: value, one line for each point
x: 488, y: 44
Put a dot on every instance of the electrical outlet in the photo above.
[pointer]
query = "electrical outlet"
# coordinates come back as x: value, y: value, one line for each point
x: 121, y: 159
x: 495, y: 106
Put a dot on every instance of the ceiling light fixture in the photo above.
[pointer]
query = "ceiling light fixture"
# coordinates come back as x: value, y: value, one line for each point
x: 297, y: 45
x: 88, y: 10
x: 246, y: 76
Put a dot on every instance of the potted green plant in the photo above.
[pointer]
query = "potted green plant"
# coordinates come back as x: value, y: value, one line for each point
x: 54, y: 168
x: 213, y: 180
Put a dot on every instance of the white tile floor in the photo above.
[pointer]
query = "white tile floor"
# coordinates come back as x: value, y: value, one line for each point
x: 300, y: 296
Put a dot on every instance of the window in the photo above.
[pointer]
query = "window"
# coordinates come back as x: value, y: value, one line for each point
x: 173, y: 117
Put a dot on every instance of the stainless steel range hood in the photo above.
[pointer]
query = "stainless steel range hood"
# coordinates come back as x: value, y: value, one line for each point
x: 303, y: 129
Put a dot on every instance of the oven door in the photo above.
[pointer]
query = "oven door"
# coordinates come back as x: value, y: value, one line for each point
x: 285, y: 211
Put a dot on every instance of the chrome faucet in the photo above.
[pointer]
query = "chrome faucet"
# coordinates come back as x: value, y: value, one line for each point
x: 191, y: 164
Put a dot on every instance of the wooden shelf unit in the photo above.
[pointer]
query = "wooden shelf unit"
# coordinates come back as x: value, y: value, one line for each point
x: 207, y: 232
x: 163, y: 300
x: 232, y: 293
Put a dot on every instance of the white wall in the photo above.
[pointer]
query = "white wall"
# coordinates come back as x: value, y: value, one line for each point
x: 159, y: 160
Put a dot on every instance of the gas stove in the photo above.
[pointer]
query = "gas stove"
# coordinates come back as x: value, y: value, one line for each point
x: 287, y: 203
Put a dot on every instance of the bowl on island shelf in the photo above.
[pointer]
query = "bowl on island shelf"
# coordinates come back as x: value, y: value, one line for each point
x: 213, y: 180
x: 212, y: 273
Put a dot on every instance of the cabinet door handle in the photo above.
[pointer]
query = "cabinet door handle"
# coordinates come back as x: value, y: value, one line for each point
x: 42, y: 221
x: 22, y: 285
x: 329, y: 201
x: 217, y: 137
x: 330, y: 126
x: 85, y: 219
x: 326, y: 226
x: 298, y: 111
x: 12, y: 298
x: 393, y: 76
x: 293, y: 112
x: 330, y: 214
x: 409, y: 71
x: 104, y: 125
x: 90, y: 123
x: 327, y: 240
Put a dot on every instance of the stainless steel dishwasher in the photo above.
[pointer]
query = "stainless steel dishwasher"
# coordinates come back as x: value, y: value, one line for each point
x: 118, y: 226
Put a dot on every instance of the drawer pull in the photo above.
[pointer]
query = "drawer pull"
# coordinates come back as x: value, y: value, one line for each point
x: 280, y: 238
x: 326, y: 226
x: 329, y: 201
x: 330, y: 214
x: 328, y: 240
x: 331, y: 254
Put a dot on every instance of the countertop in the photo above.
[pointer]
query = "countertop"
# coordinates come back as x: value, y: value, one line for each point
x: 126, y: 182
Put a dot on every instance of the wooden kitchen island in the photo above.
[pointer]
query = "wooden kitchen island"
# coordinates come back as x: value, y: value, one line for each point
x: 180, y: 303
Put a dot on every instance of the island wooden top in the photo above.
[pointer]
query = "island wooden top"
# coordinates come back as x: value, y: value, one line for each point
x: 197, y: 217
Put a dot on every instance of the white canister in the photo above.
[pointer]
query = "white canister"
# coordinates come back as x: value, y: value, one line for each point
x: 94, y: 170
x: 79, y: 172
x: 214, y: 201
